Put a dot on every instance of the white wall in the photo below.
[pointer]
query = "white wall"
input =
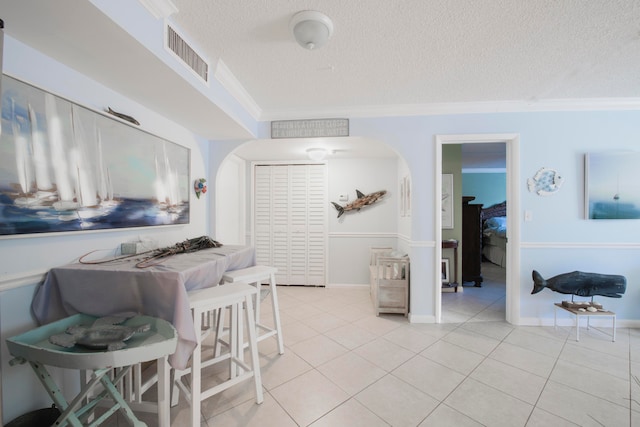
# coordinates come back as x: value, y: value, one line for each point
x: 23, y: 261
x: 230, y: 197
x: 558, y: 239
x: 351, y: 235
x: 149, y: 31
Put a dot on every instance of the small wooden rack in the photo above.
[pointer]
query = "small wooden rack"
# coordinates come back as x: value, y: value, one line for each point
x: 588, y: 314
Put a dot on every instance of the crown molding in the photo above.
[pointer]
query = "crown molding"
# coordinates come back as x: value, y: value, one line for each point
x: 229, y: 81
x: 160, y: 8
x: 534, y: 105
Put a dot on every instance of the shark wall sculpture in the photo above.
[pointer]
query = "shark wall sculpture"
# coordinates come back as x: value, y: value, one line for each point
x: 359, y: 203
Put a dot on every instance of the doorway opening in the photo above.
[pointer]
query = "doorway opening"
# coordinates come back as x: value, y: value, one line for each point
x: 511, y: 254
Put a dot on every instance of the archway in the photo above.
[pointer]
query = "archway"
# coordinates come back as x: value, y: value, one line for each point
x: 372, y: 160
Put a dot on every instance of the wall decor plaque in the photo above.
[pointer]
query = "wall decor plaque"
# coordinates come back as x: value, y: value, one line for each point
x: 314, y: 128
x: 447, y: 200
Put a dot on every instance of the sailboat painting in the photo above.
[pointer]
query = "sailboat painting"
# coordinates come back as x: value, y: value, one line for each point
x: 66, y: 168
x: 612, y: 185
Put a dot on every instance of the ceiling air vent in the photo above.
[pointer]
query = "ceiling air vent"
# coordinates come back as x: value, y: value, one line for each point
x: 175, y: 43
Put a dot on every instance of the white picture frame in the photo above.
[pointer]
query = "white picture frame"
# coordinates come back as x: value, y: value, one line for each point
x: 612, y: 189
x: 447, y: 201
x: 401, y: 199
x: 444, y: 268
x: 407, y: 196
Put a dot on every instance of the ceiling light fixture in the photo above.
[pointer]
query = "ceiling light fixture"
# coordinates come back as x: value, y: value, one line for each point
x: 317, y: 153
x: 311, y: 29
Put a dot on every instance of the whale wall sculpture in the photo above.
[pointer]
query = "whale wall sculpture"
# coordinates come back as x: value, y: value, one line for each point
x: 582, y: 284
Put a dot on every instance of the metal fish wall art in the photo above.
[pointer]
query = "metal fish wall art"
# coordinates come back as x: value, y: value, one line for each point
x: 582, y: 284
x: 545, y: 182
x: 123, y: 116
x: 359, y: 203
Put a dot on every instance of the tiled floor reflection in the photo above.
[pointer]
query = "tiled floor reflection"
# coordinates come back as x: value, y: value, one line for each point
x: 343, y: 366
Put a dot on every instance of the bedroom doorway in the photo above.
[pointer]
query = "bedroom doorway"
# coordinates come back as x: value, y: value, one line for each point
x: 501, y: 269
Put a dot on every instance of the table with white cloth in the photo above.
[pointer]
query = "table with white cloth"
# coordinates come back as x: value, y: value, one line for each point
x: 159, y: 291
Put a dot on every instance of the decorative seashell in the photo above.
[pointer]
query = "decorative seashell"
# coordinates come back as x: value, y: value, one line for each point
x: 592, y: 309
x: 582, y: 310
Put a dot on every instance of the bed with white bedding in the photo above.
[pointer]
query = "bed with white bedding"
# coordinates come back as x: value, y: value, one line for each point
x: 494, y: 234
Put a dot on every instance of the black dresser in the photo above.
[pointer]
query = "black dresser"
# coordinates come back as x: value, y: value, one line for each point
x: 471, y: 241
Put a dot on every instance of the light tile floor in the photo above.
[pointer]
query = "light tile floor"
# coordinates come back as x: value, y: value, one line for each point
x: 343, y: 366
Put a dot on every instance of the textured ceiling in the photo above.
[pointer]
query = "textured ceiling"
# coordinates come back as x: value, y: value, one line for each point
x: 416, y: 52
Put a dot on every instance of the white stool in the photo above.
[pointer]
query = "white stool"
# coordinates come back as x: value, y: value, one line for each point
x: 218, y: 298
x: 255, y: 275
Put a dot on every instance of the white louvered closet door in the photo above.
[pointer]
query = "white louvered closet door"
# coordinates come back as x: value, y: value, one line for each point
x: 290, y: 221
x: 316, y: 224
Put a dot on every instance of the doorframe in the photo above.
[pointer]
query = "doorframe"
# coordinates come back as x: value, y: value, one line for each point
x: 512, y: 142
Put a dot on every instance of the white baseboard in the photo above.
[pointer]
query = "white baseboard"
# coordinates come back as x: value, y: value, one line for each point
x: 421, y: 318
x: 347, y: 285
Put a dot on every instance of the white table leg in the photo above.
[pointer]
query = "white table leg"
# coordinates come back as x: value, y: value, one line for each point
x: 253, y: 348
x: 164, y: 395
x: 196, y: 384
x: 234, y: 336
x: 258, y: 286
x: 276, y: 312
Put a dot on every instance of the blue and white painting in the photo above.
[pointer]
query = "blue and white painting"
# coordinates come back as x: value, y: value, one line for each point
x: 613, y: 185
x: 67, y: 168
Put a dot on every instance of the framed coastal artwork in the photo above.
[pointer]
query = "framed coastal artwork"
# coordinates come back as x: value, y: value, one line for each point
x: 447, y: 200
x: 612, y: 187
x: 66, y: 168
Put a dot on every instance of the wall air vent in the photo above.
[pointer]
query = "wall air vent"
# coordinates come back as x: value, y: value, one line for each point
x: 175, y: 43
